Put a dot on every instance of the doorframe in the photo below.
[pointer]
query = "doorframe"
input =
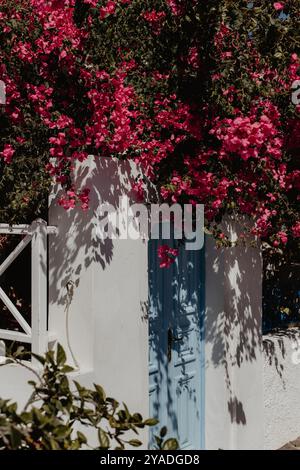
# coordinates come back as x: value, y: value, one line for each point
x: 202, y: 315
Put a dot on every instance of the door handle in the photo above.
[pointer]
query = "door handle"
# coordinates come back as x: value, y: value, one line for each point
x: 172, y: 339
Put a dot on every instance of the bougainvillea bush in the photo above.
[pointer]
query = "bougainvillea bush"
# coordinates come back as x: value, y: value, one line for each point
x: 199, y: 93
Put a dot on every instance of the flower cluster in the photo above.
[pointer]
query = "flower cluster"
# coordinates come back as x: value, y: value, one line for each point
x: 199, y: 97
x: 166, y: 255
x: 72, y: 199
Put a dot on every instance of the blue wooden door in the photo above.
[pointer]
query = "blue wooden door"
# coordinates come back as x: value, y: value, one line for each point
x: 176, y: 364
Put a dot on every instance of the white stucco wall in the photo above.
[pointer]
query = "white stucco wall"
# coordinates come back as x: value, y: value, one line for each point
x: 281, y: 388
x: 104, y: 331
x: 14, y: 383
x: 233, y: 351
x: 252, y: 381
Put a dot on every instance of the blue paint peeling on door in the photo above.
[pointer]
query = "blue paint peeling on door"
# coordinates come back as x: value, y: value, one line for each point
x: 176, y: 363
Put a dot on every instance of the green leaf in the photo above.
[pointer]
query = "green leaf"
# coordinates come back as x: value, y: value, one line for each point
x: 122, y: 415
x: 135, y: 443
x: 16, y: 437
x: 60, y: 355
x: 81, y: 437
x: 103, y: 439
x: 100, y: 391
x: 54, y: 444
x: 66, y: 369
x: 39, y: 358
x: 170, y: 444
x: 126, y: 410
x: 137, y: 417
x: 163, y: 431
x: 151, y: 422
x: 78, y: 386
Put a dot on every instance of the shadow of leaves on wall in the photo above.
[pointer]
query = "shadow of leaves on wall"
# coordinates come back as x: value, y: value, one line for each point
x: 108, y: 180
x: 233, y: 325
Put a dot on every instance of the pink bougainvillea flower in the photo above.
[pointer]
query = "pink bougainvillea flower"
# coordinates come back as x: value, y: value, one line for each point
x: 175, y: 7
x: 138, y: 189
x: 155, y: 19
x: 166, y: 255
x: 108, y: 9
x: 283, y: 237
x: 278, y: 6
x: 84, y: 198
x: 93, y: 3
x: 7, y: 153
x: 296, y: 230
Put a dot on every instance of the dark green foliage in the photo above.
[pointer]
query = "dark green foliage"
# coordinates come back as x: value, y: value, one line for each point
x: 59, y: 411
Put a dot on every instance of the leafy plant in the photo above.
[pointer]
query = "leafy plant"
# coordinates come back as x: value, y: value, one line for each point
x: 59, y: 411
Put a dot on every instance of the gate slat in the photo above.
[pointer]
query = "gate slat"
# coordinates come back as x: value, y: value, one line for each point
x: 14, y: 254
x: 15, y: 336
x: 15, y: 312
x: 39, y: 299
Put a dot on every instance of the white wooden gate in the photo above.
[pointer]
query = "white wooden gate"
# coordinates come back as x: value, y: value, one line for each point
x: 36, y: 334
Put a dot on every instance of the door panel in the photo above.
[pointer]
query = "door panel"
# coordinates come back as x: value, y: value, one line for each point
x: 176, y: 305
